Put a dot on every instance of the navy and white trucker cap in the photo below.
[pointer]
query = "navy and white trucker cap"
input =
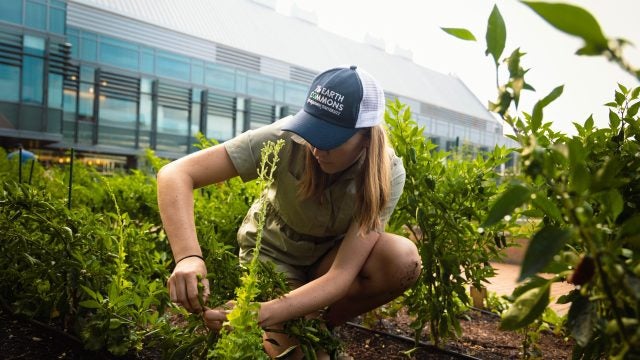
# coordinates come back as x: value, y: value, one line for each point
x: 341, y: 101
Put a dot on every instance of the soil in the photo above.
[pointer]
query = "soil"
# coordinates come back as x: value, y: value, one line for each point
x: 481, y: 339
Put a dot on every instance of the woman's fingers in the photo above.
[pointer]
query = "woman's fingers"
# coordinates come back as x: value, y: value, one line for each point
x: 183, y: 284
x: 205, y: 289
x: 214, y: 318
x: 172, y: 291
x: 191, y: 290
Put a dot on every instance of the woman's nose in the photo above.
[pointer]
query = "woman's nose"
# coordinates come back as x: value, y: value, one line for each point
x: 318, y: 152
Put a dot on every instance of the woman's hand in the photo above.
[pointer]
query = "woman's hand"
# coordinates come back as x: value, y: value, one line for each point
x: 183, y: 284
x: 215, y: 318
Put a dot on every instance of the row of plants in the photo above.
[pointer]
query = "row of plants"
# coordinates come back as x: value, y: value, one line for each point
x: 585, y: 190
x: 98, y: 269
x: 96, y: 262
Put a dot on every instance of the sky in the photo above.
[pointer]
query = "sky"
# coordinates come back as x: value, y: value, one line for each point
x: 414, y: 25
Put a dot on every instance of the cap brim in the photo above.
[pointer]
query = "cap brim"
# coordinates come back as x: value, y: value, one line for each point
x: 319, y: 133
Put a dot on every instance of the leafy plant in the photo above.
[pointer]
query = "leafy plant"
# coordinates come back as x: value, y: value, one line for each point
x: 585, y: 189
x: 444, y: 200
x: 245, y: 341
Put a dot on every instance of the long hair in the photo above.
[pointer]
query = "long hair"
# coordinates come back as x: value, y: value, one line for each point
x: 372, y: 185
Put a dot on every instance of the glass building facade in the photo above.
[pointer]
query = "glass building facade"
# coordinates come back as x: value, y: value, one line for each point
x: 63, y: 87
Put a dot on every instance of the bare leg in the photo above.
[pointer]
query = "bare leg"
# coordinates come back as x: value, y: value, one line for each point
x: 283, y: 341
x: 392, y: 267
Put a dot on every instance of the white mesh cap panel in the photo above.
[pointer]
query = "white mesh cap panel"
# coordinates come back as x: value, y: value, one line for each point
x: 372, y: 104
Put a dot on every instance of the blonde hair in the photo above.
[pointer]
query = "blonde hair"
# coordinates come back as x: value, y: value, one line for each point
x: 372, y: 187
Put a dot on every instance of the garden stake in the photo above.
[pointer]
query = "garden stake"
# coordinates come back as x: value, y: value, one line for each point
x: 70, y: 179
x: 20, y: 165
x: 33, y: 161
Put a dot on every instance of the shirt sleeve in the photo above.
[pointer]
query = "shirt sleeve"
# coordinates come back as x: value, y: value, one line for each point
x: 244, y: 150
x: 397, y: 185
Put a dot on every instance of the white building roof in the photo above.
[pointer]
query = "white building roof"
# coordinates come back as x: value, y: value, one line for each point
x: 247, y: 25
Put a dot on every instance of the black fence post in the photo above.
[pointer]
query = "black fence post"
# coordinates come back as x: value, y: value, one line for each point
x: 70, y: 178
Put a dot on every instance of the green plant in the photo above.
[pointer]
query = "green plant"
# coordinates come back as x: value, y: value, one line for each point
x: 585, y: 188
x: 496, y: 303
x: 444, y: 200
x: 245, y: 340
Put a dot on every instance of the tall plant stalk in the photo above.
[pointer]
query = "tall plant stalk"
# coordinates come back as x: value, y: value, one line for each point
x: 244, y: 341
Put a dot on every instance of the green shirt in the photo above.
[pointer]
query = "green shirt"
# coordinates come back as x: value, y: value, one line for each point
x: 298, y: 231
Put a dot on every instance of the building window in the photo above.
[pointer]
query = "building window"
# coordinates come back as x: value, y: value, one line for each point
x: 172, y: 66
x: 241, y: 82
x: 86, y: 94
x: 70, y: 103
x: 147, y: 61
x: 219, y: 127
x: 9, y: 83
x: 260, y: 114
x: 57, y: 17
x: 36, y: 15
x: 118, y: 113
x: 219, y: 77
x: 73, y: 37
x: 117, y: 121
x: 32, y: 79
x: 172, y: 122
x: 240, y: 116
x: 33, y: 45
x: 278, y: 94
x: 55, y: 91
x: 54, y: 103
x: 197, y: 72
x: 295, y: 94
x: 173, y: 129
x: 220, y: 117
x: 118, y: 53
x: 11, y: 11
x: 146, y: 113
x: 88, y: 46
x: 196, y: 98
x: 260, y: 86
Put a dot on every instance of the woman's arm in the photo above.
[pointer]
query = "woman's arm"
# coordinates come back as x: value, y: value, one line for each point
x: 326, y: 289
x: 176, y: 182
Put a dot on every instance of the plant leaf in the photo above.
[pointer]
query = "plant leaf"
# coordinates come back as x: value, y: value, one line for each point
x: 536, y: 117
x: 633, y: 110
x: 543, y: 247
x: 90, y: 304
x: 496, y: 35
x: 508, y: 201
x: 526, y: 308
x: 620, y: 98
x: 548, y: 207
x: 572, y: 20
x: 460, y: 33
x: 623, y: 89
x: 614, y: 120
x: 579, y: 320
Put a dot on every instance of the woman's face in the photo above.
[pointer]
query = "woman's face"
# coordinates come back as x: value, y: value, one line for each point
x: 342, y: 157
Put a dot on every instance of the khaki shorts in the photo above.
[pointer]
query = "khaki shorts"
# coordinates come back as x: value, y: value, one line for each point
x: 291, y: 253
x: 296, y: 275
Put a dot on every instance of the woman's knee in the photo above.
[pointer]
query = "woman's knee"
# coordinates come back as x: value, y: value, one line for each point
x: 399, y: 260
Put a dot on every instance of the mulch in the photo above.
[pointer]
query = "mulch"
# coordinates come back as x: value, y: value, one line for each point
x: 391, y: 339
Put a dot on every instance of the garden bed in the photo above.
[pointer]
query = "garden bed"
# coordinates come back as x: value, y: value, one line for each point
x: 22, y: 339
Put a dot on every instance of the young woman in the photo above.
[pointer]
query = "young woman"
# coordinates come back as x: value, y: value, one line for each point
x: 335, y: 187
